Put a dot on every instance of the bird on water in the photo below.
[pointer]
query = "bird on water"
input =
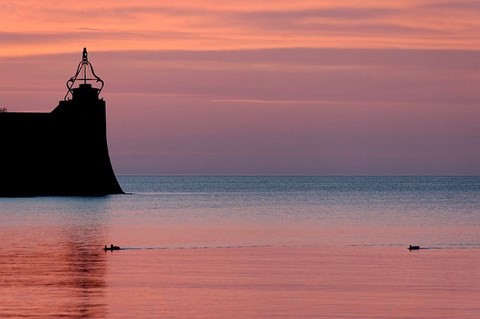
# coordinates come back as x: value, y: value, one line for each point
x: 111, y: 248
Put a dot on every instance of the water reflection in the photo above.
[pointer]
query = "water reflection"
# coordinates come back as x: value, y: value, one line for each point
x: 85, y: 266
x: 337, y: 250
x: 54, y: 270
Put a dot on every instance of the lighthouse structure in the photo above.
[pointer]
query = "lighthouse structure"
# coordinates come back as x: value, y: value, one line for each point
x: 61, y: 153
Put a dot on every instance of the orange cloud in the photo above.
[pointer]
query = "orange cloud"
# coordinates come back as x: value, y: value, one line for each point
x: 41, y: 27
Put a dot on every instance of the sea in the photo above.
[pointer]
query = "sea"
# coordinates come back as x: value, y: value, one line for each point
x: 247, y: 247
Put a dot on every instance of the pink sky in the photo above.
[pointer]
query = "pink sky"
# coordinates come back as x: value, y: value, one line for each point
x: 252, y: 87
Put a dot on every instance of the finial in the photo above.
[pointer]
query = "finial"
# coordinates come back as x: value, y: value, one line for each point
x: 85, y: 56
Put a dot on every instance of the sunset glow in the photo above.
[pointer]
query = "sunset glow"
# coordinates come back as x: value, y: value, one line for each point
x: 252, y: 87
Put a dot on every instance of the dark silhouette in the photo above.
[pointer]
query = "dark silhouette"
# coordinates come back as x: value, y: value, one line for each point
x: 111, y: 248
x: 61, y: 153
x: 413, y: 247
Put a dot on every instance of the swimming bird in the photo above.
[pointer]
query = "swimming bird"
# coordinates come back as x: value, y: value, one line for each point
x: 111, y: 248
x: 413, y: 247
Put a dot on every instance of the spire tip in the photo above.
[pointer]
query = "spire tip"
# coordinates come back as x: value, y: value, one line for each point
x: 85, y: 55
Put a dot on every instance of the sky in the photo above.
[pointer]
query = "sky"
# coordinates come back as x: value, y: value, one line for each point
x: 371, y: 87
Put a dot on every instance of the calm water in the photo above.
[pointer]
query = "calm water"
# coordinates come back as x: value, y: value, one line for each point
x: 247, y: 247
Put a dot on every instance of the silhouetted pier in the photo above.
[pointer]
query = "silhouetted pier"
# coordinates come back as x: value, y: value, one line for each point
x: 63, y: 152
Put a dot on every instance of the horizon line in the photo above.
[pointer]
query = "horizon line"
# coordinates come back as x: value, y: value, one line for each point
x: 307, y: 175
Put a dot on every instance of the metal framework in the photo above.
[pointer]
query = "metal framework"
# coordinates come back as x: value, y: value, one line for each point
x: 82, y: 71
